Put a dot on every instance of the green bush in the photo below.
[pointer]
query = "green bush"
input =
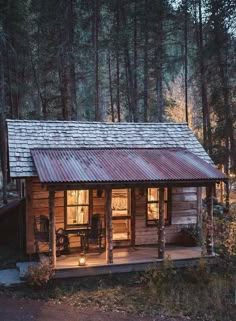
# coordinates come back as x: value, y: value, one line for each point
x: 39, y: 275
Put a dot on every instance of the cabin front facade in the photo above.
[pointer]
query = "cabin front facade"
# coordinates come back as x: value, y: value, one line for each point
x: 109, y: 185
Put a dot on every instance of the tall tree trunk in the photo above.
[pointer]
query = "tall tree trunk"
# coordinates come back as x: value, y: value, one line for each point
x: 129, y: 70
x: 110, y: 88
x: 186, y: 57
x: 130, y: 118
x: 207, y: 139
x: 135, y: 60
x: 96, y: 52
x: 159, y: 64
x: 68, y: 86
x: 145, y: 94
x: 118, y: 64
x: 3, y: 144
x: 221, y: 42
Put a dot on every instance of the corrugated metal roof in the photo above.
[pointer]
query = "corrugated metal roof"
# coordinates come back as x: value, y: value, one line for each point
x: 121, y: 165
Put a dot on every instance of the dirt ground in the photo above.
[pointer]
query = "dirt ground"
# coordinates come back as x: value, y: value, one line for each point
x: 12, y: 309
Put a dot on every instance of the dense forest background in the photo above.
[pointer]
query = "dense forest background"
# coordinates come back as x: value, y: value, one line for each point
x: 120, y: 60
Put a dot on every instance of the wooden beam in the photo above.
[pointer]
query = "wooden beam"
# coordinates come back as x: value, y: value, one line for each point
x: 210, y: 227
x: 161, y: 225
x: 199, y: 218
x: 29, y: 220
x: 52, y: 229
x: 133, y: 217
x: 109, y: 241
x: 136, y: 184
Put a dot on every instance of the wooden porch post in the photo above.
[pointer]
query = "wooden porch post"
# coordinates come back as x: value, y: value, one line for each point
x: 109, y: 242
x: 161, y: 226
x: 52, y: 233
x: 210, y: 241
x: 133, y: 217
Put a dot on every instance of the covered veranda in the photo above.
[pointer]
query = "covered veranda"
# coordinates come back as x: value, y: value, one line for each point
x: 61, y: 170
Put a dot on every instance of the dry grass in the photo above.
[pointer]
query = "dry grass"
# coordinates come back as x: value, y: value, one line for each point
x: 198, y: 293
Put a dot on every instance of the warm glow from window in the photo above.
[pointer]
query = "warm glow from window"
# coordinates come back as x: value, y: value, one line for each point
x: 153, y: 204
x: 120, y: 202
x: 77, y: 207
x: 121, y: 214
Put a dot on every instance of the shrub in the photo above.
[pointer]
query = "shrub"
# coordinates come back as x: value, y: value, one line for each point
x: 157, y: 279
x: 225, y: 235
x: 39, y: 275
x: 190, y: 235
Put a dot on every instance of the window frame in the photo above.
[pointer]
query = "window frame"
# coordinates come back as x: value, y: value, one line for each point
x: 89, y: 205
x: 152, y: 223
x: 124, y: 217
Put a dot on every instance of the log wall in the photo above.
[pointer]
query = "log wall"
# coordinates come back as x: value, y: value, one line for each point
x: 184, y: 210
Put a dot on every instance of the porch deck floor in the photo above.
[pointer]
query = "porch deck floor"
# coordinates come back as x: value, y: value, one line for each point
x: 129, y: 256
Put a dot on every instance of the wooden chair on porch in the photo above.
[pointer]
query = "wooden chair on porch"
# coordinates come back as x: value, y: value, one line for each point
x: 95, y: 235
x: 41, y: 233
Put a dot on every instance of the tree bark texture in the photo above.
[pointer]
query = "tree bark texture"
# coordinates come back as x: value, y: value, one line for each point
x: 109, y: 241
x: 52, y: 230
x: 96, y: 58
x: 161, y: 225
x: 145, y: 93
x: 118, y: 65
x: 210, y: 240
x: 68, y: 86
x: 207, y: 139
x: 186, y: 58
x: 111, y: 88
x: 159, y: 64
x: 3, y: 130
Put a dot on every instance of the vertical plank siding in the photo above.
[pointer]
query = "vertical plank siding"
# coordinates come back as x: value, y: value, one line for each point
x: 184, y: 210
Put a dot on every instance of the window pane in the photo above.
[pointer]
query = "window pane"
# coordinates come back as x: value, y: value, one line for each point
x: 78, y: 197
x: 121, y: 229
x: 120, y: 202
x: 153, y: 211
x: 77, y: 215
x: 153, y: 194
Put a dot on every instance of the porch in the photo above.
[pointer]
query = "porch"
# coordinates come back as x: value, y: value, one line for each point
x: 125, y: 260
x: 145, y: 202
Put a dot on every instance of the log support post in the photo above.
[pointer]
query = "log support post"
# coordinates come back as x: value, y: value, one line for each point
x: 161, y: 226
x: 133, y: 217
x: 109, y: 241
x: 209, y: 221
x: 52, y: 230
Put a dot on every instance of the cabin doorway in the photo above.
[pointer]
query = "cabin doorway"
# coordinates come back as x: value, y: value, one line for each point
x: 121, y: 215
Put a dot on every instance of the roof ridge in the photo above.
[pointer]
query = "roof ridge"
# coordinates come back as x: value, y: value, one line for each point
x: 92, y: 122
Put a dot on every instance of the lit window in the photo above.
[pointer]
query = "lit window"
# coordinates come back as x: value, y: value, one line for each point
x: 153, y: 205
x: 120, y: 200
x: 121, y: 214
x: 77, y: 207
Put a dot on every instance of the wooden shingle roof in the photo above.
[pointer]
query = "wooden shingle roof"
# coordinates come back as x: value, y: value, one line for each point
x: 24, y: 135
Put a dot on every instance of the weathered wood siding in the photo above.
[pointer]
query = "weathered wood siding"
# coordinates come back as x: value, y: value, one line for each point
x: 184, y: 210
x: 38, y: 204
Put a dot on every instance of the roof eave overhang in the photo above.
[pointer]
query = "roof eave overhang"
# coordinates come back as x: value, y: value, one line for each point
x: 61, y: 186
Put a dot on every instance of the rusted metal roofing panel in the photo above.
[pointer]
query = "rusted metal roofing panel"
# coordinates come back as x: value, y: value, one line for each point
x: 121, y: 165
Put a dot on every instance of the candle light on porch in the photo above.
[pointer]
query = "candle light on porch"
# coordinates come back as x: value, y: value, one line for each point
x: 82, y: 259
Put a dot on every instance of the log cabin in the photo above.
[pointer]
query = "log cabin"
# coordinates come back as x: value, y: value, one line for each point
x: 139, y: 183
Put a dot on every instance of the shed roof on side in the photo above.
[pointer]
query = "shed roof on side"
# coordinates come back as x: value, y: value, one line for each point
x: 24, y: 135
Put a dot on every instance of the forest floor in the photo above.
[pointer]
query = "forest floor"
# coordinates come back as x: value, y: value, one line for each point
x: 15, y: 309
x: 181, y: 296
